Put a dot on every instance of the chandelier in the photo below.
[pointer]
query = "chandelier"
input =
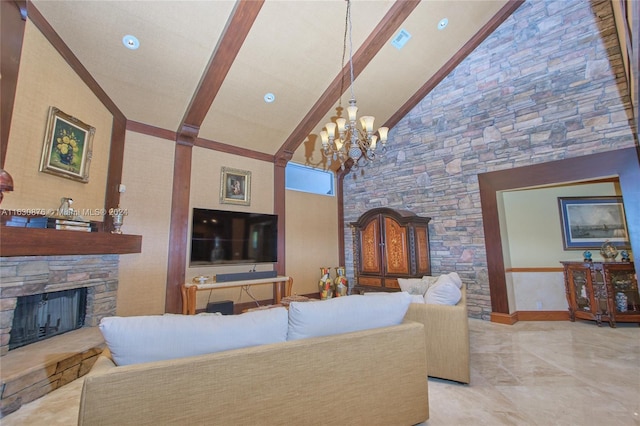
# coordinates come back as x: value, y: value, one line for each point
x: 352, y: 142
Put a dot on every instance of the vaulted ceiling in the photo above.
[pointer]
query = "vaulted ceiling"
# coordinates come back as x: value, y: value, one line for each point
x: 207, y: 65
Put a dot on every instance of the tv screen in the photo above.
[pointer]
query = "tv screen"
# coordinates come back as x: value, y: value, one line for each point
x: 226, y: 237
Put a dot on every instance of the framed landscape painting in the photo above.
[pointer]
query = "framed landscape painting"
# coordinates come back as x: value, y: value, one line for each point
x: 235, y: 186
x: 587, y: 222
x: 67, y: 146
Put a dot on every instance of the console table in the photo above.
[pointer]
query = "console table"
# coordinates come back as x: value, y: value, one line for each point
x: 602, y: 291
x: 281, y: 285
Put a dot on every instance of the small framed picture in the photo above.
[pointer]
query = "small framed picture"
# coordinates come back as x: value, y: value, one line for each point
x: 235, y: 186
x: 67, y: 146
x: 587, y: 222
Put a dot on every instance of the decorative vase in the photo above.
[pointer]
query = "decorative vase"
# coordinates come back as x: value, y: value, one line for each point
x: 66, y: 158
x: 625, y: 256
x: 325, y: 285
x: 118, y: 218
x: 621, y: 302
x: 341, y: 283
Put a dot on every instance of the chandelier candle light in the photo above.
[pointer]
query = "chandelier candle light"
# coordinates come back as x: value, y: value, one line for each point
x: 352, y: 142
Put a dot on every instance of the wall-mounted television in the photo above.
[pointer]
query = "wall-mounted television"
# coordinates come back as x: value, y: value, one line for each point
x: 227, y: 237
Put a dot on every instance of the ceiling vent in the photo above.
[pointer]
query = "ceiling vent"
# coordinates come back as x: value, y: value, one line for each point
x: 401, y: 39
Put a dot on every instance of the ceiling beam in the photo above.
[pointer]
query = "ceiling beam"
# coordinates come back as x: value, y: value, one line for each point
x: 387, y: 27
x: 243, y: 16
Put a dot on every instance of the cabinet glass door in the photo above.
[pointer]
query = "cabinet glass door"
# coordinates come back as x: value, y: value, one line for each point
x: 625, y: 291
x: 599, y: 290
x: 581, y: 289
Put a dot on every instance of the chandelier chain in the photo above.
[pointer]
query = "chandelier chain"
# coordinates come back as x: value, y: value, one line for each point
x: 351, y: 143
x: 348, y: 24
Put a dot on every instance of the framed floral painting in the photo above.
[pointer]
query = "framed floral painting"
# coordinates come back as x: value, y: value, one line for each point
x: 235, y: 186
x: 67, y: 146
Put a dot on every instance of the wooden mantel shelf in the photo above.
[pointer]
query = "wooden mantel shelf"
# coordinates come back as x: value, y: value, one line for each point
x: 16, y: 241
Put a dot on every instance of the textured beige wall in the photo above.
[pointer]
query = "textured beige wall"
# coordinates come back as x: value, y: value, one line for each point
x: 533, y: 223
x: 148, y: 175
x: 45, y: 79
x: 205, y: 193
x: 312, y: 238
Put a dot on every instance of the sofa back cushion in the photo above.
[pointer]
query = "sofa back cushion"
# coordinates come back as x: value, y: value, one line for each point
x: 133, y: 340
x: 346, y: 314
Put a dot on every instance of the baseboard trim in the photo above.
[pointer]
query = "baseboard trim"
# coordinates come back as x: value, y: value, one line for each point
x: 510, y: 319
x: 543, y: 316
x: 500, y: 318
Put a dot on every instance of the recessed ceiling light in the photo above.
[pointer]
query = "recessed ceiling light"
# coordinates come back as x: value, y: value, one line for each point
x: 443, y: 23
x: 130, y: 42
x: 269, y: 98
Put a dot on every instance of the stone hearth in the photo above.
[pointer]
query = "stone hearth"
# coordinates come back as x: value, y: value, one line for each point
x: 34, y: 370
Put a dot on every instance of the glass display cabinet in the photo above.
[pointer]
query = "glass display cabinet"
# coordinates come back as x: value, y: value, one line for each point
x: 602, y: 291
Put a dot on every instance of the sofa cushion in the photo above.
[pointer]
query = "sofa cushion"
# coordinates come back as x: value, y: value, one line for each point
x: 346, y: 314
x: 443, y: 292
x: 133, y: 340
x: 416, y: 285
x: 417, y: 298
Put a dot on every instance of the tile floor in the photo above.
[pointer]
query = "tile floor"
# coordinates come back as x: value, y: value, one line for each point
x: 530, y: 373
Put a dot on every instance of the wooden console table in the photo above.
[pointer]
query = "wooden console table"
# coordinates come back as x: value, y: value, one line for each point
x: 189, y: 290
x: 602, y: 291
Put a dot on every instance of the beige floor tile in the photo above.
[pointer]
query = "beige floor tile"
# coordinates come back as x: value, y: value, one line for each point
x: 529, y: 373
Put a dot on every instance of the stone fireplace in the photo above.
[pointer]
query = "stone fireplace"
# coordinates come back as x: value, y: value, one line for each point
x: 41, y: 316
x: 22, y: 276
x: 31, y: 275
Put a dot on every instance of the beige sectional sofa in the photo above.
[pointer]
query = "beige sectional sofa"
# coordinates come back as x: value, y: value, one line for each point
x: 375, y: 376
x: 446, y: 331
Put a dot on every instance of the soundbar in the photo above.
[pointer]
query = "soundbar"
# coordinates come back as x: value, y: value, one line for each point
x: 243, y: 276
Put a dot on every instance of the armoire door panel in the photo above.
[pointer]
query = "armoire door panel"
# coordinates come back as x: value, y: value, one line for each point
x: 391, y: 283
x: 370, y: 248
x: 371, y: 282
x: 396, y: 249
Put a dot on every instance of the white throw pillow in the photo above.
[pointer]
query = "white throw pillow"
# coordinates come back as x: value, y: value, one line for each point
x: 134, y: 340
x: 455, y: 278
x: 346, y: 314
x: 443, y: 292
x: 416, y: 285
x: 410, y: 285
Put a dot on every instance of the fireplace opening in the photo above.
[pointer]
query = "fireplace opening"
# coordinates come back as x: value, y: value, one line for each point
x: 41, y: 316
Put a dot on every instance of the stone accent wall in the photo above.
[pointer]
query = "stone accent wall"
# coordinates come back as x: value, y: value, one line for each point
x: 22, y: 276
x: 547, y: 85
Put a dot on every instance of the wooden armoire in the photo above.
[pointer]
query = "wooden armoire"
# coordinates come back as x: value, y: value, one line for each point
x: 389, y: 244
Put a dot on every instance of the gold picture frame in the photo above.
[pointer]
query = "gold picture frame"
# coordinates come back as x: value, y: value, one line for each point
x: 235, y: 186
x: 67, y: 148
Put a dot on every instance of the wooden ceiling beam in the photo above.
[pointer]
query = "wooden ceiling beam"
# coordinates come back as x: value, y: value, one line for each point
x: 242, y: 18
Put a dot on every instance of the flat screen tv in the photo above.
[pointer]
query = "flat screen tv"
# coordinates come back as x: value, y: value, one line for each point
x: 227, y: 237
